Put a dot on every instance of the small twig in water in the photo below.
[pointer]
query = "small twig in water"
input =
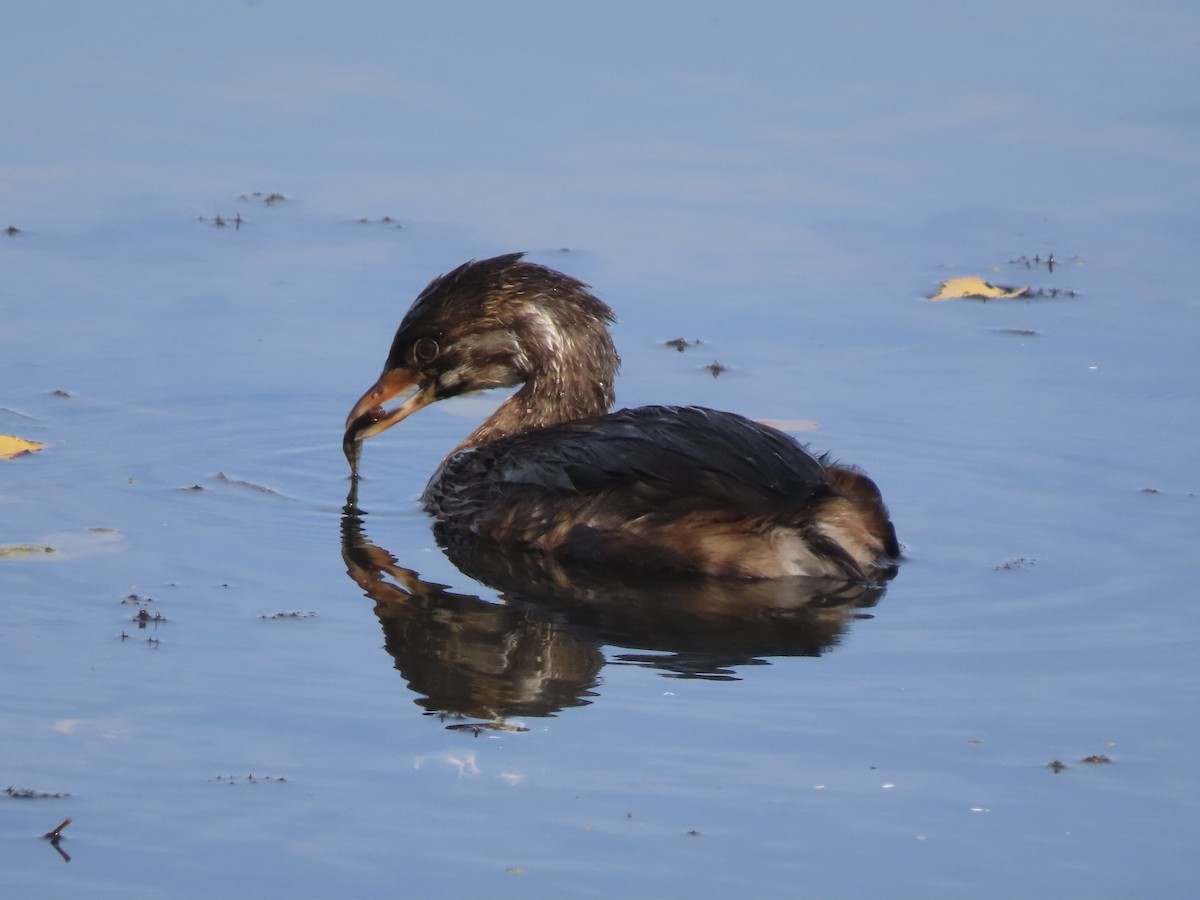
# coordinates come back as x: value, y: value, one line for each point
x: 55, y: 836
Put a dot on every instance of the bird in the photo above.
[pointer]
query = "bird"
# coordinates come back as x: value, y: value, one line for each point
x: 678, y: 490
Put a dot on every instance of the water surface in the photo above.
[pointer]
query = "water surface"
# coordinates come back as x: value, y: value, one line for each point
x: 785, y: 185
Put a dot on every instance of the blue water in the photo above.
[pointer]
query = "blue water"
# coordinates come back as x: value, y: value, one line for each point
x: 786, y: 185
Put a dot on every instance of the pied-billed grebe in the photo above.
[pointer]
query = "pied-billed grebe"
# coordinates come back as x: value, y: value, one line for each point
x: 675, y: 488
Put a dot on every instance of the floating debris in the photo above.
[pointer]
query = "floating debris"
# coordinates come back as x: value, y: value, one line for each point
x: 55, y: 835
x: 28, y: 794
x: 1038, y: 260
x: 145, y: 617
x: 266, y: 199
x: 1053, y: 292
x: 20, y: 551
x: 12, y: 446
x: 223, y: 222
x: 972, y: 287
x: 65, y: 545
x: 249, y: 779
x: 1017, y: 562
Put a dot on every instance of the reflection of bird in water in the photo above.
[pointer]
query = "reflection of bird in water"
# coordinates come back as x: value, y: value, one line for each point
x: 465, y: 656
x: 540, y: 651
x: 694, y: 627
x: 679, y: 489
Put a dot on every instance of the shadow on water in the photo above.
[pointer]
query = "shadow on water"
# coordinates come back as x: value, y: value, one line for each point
x: 539, y: 651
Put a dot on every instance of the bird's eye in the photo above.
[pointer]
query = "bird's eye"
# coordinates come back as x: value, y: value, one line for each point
x: 425, y: 350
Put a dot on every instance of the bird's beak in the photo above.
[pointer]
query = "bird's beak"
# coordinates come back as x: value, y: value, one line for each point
x: 368, y: 417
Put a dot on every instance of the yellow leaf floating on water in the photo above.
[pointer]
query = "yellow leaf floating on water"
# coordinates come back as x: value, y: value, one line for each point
x: 12, y: 446
x: 17, y: 551
x: 972, y: 286
x: 66, y: 545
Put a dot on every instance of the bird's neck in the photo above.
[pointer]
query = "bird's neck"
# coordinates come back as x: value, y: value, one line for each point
x: 561, y: 390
